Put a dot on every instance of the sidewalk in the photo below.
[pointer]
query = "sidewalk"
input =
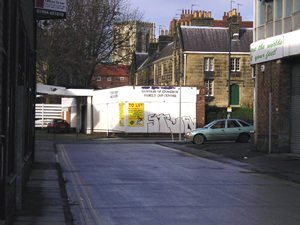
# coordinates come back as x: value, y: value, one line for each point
x: 44, y: 200
x: 281, y: 165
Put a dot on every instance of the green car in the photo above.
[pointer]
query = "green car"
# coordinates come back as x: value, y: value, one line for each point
x: 218, y: 130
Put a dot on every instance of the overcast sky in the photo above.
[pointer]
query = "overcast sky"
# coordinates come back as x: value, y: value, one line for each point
x: 161, y: 12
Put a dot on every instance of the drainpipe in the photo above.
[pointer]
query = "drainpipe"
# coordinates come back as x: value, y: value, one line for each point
x: 270, y: 123
x: 184, y: 68
x: 154, y: 74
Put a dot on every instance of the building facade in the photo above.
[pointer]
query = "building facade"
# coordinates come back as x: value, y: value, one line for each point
x: 275, y: 57
x: 200, y: 56
x: 17, y: 94
x: 110, y: 76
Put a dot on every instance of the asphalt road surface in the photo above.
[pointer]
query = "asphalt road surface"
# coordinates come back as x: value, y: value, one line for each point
x: 148, y: 184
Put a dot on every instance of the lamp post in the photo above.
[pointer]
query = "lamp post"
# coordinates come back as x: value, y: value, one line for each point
x: 229, y: 73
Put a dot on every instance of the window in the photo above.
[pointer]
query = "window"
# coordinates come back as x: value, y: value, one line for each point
x: 232, y: 124
x: 235, y: 64
x: 108, y: 78
x: 244, y: 124
x: 297, y: 6
x: 98, y: 79
x: 261, y: 12
x: 208, y: 64
x: 218, y: 125
x: 278, y: 9
x: 288, y: 7
x: 209, y: 87
x: 270, y: 11
x: 122, y: 78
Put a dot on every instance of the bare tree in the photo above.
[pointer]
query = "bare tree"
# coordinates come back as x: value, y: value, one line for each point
x: 69, y: 49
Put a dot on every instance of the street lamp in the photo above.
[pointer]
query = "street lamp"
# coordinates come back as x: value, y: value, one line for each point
x: 229, y: 73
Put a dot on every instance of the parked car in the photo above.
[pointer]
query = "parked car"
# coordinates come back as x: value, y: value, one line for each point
x: 58, y: 125
x: 224, y: 129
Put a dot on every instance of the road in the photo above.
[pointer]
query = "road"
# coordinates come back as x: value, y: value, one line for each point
x: 115, y: 183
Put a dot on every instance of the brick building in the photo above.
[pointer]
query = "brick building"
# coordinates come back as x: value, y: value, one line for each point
x: 110, y: 76
x: 17, y: 94
x: 275, y: 56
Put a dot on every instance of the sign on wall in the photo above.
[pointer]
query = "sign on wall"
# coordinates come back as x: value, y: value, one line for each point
x: 135, y: 114
x: 50, y: 9
x: 122, y: 114
x: 267, y: 49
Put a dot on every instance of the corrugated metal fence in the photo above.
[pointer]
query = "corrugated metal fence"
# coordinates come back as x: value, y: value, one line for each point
x: 44, y: 113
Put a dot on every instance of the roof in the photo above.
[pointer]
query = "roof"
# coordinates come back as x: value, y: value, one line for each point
x: 214, y: 39
x: 112, y: 70
x: 165, y: 52
x: 140, y: 58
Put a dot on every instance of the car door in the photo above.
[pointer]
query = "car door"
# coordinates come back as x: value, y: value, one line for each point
x: 233, y: 130
x: 216, y: 131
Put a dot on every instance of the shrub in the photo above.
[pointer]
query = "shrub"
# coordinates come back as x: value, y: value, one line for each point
x: 213, y: 113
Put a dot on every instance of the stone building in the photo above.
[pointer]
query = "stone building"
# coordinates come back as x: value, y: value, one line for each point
x: 17, y: 94
x: 199, y: 56
x: 133, y: 36
x: 275, y: 56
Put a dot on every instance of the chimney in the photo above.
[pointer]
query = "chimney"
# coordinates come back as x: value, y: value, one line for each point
x: 203, y: 19
x: 163, y: 40
x: 234, y: 23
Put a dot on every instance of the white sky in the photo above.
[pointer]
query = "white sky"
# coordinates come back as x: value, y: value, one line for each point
x: 161, y: 12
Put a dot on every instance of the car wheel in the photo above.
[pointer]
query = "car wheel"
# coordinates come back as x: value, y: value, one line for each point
x: 198, y: 139
x: 243, y: 138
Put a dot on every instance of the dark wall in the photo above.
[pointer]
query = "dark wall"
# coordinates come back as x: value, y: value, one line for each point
x: 275, y: 79
x: 17, y: 88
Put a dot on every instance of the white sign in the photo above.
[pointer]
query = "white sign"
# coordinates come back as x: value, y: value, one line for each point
x: 267, y: 49
x: 54, y: 5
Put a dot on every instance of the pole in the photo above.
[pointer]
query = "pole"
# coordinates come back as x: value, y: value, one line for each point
x: 180, y: 113
x: 229, y: 71
x: 270, y: 123
x: 184, y: 65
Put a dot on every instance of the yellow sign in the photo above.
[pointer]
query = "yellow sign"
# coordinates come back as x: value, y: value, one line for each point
x: 122, y: 114
x: 135, y: 114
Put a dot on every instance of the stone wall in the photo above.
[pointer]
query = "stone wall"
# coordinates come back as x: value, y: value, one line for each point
x: 196, y: 77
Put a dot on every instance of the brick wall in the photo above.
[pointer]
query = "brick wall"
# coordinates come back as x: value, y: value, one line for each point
x: 200, y: 108
x: 115, y: 82
x: 275, y: 79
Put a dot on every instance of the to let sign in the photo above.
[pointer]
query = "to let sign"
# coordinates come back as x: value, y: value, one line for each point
x: 50, y: 9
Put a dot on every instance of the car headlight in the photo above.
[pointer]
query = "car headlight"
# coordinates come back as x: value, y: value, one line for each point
x: 189, y: 133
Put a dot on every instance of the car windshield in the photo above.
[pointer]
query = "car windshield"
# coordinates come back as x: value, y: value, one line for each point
x: 208, y: 125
